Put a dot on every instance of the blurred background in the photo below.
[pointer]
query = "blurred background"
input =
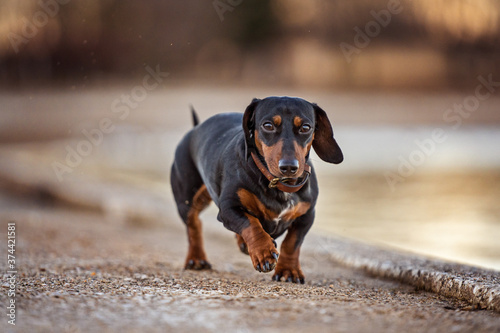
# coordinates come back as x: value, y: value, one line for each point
x: 422, y: 44
x: 95, y: 94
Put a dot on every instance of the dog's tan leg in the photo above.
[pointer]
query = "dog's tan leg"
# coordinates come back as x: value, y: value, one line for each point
x: 288, y: 268
x: 196, y: 258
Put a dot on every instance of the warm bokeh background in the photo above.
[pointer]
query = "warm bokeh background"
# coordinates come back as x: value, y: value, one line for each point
x: 65, y: 65
x: 427, y: 43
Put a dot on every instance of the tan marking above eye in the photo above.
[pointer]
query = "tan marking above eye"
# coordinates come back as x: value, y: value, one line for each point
x: 297, y: 121
x: 277, y: 120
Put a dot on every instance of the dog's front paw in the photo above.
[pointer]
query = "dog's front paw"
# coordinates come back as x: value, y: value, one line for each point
x: 264, y: 255
x: 289, y: 273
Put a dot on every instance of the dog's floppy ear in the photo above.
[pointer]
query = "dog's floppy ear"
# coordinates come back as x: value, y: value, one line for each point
x: 248, y: 124
x: 324, y: 144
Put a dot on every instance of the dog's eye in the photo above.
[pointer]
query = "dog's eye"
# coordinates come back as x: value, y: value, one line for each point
x: 268, y: 126
x: 305, y: 128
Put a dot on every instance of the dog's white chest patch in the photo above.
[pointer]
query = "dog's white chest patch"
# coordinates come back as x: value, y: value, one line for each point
x: 290, y: 206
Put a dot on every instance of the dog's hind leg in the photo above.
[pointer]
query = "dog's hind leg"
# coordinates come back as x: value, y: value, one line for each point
x: 191, y: 197
x: 196, y: 258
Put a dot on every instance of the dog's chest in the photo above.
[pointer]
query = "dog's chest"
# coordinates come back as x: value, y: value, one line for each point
x: 286, y: 210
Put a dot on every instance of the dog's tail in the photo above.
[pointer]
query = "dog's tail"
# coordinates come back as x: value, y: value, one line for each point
x: 196, y: 121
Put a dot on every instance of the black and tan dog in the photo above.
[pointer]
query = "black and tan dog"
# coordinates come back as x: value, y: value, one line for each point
x: 255, y: 168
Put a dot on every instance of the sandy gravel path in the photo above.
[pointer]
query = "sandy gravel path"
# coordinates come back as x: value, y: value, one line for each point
x: 82, y: 271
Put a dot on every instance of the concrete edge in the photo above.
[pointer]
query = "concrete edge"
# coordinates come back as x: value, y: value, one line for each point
x: 479, y: 287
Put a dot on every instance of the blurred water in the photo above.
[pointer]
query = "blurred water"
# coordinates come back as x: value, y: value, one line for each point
x: 451, y: 215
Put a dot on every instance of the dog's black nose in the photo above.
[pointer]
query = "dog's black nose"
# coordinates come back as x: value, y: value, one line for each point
x: 288, y: 167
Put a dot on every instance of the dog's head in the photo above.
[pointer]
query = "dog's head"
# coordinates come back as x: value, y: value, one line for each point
x: 283, y: 129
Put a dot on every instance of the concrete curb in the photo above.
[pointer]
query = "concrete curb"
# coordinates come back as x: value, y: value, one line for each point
x: 479, y: 287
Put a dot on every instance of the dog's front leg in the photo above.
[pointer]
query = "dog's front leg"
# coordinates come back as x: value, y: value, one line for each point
x: 288, y: 268
x: 261, y: 247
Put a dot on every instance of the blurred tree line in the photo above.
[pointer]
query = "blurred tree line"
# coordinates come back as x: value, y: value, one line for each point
x: 315, y: 42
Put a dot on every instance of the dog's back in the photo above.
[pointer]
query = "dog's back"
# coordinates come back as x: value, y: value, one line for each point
x: 205, y: 146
